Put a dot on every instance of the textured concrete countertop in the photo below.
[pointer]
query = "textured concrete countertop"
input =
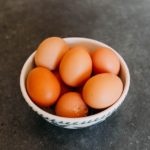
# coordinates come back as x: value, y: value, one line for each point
x: 124, y: 25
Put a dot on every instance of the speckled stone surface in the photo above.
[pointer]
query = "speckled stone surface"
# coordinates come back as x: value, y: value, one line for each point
x: 124, y: 25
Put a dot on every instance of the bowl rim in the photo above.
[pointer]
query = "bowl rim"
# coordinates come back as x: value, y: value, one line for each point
x: 80, y: 119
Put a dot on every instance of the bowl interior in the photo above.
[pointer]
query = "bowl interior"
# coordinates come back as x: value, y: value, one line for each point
x: 91, y: 44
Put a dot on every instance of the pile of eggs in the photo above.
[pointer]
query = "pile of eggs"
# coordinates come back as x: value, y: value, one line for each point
x: 74, y: 80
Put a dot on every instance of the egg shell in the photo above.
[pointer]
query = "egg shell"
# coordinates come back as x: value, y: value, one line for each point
x: 71, y: 105
x: 76, y: 66
x: 42, y: 86
x: 102, y: 90
x: 50, y: 52
x: 82, y: 46
x: 105, y: 61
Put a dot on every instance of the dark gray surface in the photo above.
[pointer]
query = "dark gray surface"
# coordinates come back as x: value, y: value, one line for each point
x: 124, y: 25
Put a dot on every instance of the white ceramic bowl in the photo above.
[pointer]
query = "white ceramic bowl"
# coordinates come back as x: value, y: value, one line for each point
x: 75, y: 123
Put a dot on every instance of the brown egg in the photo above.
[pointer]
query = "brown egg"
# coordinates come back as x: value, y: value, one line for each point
x: 76, y: 66
x: 102, y: 90
x: 71, y: 105
x: 83, y: 46
x: 50, y: 52
x: 64, y: 87
x: 105, y: 61
x: 42, y: 86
